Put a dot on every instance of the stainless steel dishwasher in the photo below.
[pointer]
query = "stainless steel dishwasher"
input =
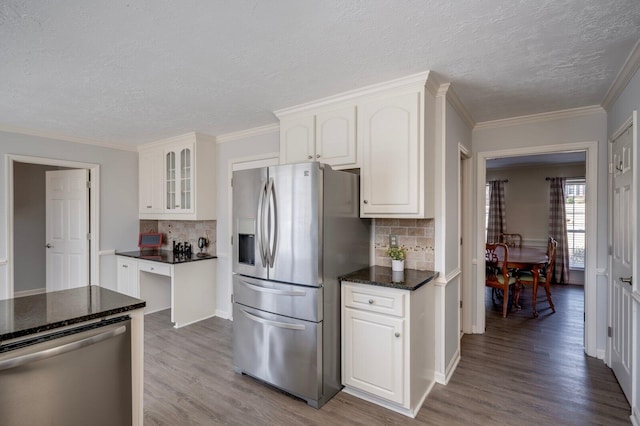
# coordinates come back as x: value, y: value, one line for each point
x: 78, y: 376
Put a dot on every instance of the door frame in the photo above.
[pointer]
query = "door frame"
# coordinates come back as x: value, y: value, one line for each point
x: 465, y: 229
x: 230, y: 165
x: 591, y: 272
x: 635, y: 294
x: 94, y: 216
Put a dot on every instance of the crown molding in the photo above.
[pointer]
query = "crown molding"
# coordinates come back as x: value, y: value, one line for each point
x: 176, y: 139
x: 65, y: 138
x: 446, y: 89
x: 538, y: 118
x: 243, y: 134
x: 625, y: 75
x: 420, y: 79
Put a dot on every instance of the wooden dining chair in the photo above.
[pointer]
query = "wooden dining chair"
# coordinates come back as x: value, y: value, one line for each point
x: 511, y: 240
x: 545, y: 275
x: 497, y: 274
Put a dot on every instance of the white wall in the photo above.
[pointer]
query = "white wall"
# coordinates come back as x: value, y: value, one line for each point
x: 619, y: 112
x: 527, y: 198
x: 581, y: 126
x: 447, y: 236
x: 227, y: 152
x: 118, y: 192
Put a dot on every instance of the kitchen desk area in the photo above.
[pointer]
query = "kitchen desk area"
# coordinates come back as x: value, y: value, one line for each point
x: 72, y: 357
x: 184, y: 283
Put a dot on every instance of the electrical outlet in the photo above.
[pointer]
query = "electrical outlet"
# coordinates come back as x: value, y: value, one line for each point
x: 393, y: 241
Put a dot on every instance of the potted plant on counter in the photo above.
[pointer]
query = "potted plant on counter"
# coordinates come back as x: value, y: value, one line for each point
x: 397, y: 255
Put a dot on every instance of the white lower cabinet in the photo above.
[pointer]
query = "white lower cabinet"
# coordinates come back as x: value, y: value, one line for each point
x: 388, y: 345
x: 127, y: 276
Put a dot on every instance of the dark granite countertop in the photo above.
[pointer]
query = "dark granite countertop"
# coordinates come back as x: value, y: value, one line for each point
x: 27, y: 315
x: 409, y: 279
x: 164, y: 256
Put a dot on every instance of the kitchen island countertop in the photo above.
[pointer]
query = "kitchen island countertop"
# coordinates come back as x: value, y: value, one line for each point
x: 409, y: 279
x: 27, y: 315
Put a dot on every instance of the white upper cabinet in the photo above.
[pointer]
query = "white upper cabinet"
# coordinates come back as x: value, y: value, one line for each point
x: 297, y: 139
x: 326, y: 135
x: 150, y: 181
x: 387, y: 130
x: 180, y: 172
x: 390, y: 177
x: 336, y: 137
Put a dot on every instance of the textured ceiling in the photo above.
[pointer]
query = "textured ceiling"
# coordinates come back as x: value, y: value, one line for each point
x: 129, y: 72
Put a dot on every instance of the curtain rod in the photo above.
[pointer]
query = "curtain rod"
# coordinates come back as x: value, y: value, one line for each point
x: 499, y: 180
x: 566, y: 177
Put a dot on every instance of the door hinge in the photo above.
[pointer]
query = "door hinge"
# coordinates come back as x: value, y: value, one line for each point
x: 232, y: 299
x: 88, y: 235
x: 610, y: 250
x: 89, y: 184
x: 232, y: 182
x: 460, y: 240
x: 232, y: 240
x: 461, y: 304
x: 609, y: 332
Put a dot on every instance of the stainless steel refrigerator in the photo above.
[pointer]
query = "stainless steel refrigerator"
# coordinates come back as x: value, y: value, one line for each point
x: 296, y: 228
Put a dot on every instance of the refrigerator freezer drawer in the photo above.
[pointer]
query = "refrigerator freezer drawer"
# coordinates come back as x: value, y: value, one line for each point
x: 278, y: 298
x: 282, y: 351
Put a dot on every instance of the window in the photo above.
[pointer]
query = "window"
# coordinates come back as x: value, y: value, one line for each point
x: 574, y: 192
x: 487, y: 197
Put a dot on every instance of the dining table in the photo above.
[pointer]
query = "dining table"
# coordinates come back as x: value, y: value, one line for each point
x: 527, y: 259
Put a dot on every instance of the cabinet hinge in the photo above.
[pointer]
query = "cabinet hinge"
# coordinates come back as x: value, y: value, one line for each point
x: 609, y: 332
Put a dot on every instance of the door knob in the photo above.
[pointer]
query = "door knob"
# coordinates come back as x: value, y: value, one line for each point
x: 397, y: 334
x: 627, y: 280
x: 309, y: 157
x: 48, y: 245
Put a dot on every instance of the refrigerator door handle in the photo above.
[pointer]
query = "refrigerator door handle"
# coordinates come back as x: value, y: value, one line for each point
x: 272, y: 242
x: 260, y: 225
x: 273, y: 323
x: 272, y: 290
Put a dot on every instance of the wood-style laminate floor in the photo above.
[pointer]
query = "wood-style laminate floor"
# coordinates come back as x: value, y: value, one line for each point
x: 523, y: 371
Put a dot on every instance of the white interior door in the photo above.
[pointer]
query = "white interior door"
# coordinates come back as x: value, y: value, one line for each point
x: 67, y: 230
x: 622, y: 260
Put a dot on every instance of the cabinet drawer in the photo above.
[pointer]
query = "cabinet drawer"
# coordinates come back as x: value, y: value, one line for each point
x: 375, y: 299
x: 155, y: 267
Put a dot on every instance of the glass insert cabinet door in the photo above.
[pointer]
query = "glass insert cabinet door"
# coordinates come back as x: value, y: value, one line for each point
x: 178, y: 179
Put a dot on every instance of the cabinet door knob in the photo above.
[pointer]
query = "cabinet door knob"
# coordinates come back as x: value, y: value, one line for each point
x: 397, y: 334
x: 317, y: 155
x: 309, y: 157
x: 125, y: 266
x: 366, y: 202
x: 371, y: 301
x: 48, y: 245
x: 148, y: 207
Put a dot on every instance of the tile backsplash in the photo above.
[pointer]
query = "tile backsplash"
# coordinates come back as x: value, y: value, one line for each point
x: 181, y: 231
x: 416, y: 235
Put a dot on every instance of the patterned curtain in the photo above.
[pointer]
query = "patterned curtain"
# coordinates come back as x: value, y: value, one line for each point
x: 558, y: 228
x: 497, y: 215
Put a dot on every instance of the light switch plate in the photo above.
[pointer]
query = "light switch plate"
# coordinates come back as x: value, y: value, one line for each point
x: 393, y: 241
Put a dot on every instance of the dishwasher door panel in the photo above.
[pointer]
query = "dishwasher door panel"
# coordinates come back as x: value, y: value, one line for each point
x: 77, y: 379
x: 282, y: 351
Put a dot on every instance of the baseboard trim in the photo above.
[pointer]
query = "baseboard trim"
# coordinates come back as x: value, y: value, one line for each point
x: 29, y: 292
x: 223, y: 314
x: 600, y: 353
x: 443, y: 379
x: 192, y: 322
x: 387, y: 404
x: 635, y: 417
